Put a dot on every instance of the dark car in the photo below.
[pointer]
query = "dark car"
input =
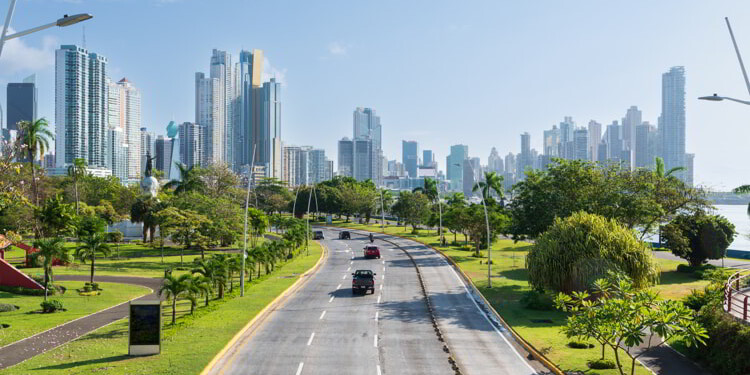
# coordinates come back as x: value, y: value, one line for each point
x: 318, y: 235
x: 363, y: 281
x: 345, y: 235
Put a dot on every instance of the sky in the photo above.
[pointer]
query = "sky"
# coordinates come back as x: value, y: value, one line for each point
x: 439, y: 72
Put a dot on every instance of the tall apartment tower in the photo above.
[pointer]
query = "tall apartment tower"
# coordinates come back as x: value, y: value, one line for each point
x: 525, y: 161
x: 581, y: 144
x: 646, y: 137
x: 672, y: 126
x: 454, y: 166
x: 296, y: 160
x: 567, y: 126
x: 551, y: 142
x: 317, y: 166
x: 147, y: 148
x: 595, y: 137
x: 81, y: 109
x: 409, y: 152
x: 366, y: 124
x: 191, y: 138
x: 221, y: 71
x: 21, y: 101
x: 268, y: 135
x: 346, y: 157
x: 248, y: 82
x: 124, y: 113
x: 495, y: 162
x: 633, y: 118
x: 209, y: 113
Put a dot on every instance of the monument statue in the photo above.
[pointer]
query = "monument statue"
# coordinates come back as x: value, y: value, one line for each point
x: 149, y: 184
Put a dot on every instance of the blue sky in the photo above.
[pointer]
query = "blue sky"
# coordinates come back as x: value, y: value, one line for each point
x: 439, y: 72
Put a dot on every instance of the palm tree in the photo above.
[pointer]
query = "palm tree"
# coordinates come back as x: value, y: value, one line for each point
x: 492, y: 182
x: 202, y: 286
x: 91, y: 246
x: 456, y: 199
x: 429, y: 189
x: 234, y: 264
x: 76, y: 171
x: 744, y: 189
x: 659, y: 169
x: 189, y: 180
x: 173, y: 287
x: 144, y: 211
x: 35, y: 136
x: 49, y: 250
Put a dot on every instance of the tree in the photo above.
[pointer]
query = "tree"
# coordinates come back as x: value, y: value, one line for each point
x: 91, y: 246
x: 11, y: 185
x: 492, y: 182
x: 189, y: 180
x: 272, y: 195
x: 430, y: 189
x: 217, y: 179
x: 621, y: 315
x: 258, y: 223
x: 173, y: 287
x: 659, y: 170
x: 413, y: 208
x: 475, y: 224
x: 577, y: 250
x: 201, y: 286
x: 145, y: 210
x: 35, y: 137
x: 183, y: 226
x: 76, y: 171
x: 49, y: 250
x: 698, y: 237
x: 54, y: 217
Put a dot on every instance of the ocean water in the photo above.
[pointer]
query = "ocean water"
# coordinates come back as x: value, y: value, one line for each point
x: 737, y: 214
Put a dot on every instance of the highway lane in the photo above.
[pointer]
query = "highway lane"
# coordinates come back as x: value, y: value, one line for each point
x: 325, y: 329
x: 478, y: 346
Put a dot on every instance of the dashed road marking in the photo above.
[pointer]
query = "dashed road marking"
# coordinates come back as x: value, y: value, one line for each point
x: 375, y: 341
x: 311, y: 338
x: 348, y: 269
x: 339, y: 286
x: 331, y: 300
x: 322, y: 315
x: 299, y: 369
x: 344, y: 277
x: 381, y: 286
x: 376, y: 315
x: 378, y: 299
x: 378, y: 367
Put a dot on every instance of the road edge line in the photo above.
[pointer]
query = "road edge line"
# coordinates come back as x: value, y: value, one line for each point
x: 263, y: 314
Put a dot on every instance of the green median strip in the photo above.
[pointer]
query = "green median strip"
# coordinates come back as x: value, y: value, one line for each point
x: 188, y: 346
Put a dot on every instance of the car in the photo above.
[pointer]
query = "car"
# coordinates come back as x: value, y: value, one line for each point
x: 318, y: 235
x: 345, y: 235
x: 372, y: 251
x: 362, y: 281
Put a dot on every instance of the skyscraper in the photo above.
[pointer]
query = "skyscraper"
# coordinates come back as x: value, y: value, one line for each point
x: 581, y: 144
x: 346, y: 157
x: 248, y: 82
x: 268, y: 136
x: 124, y: 113
x: 689, y: 160
x: 645, y: 144
x: 119, y: 154
x: 614, y: 142
x: 81, y: 109
x: 409, y: 152
x: 21, y: 102
x: 454, y: 165
x: 191, y: 143
x: 363, y: 163
x: 630, y: 122
x: 428, y: 159
x: 221, y: 70
x: 163, y: 154
x: 551, y: 141
x: 317, y: 166
x: 296, y: 164
x: 147, y: 147
x: 525, y: 161
x: 595, y: 137
x: 366, y: 125
x: 672, y: 126
x: 495, y: 162
x: 567, y: 126
x: 209, y: 112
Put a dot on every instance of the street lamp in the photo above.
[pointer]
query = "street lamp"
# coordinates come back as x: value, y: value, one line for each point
x: 487, y: 222
x: 247, y: 206
x: 718, y: 98
x: 62, y: 22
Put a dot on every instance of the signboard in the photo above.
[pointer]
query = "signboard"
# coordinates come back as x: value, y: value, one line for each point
x: 329, y: 219
x: 145, y: 327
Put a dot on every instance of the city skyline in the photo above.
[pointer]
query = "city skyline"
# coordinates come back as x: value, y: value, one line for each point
x: 607, y: 87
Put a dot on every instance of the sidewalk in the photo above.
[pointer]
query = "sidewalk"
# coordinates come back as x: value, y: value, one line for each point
x: 22, y: 350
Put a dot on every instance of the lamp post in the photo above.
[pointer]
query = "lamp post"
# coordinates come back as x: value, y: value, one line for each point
x: 718, y: 98
x: 307, y: 234
x: 487, y: 222
x: 382, y: 212
x: 247, y: 206
x: 62, y: 22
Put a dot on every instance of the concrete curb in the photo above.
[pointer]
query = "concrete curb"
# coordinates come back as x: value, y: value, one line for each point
x: 525, y: 344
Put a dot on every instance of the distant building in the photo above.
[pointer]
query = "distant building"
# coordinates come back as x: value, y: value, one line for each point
x: 630, y: 123
x: 192, y: 139
x: 454, y: 165
x: 551, y: 142
x: 595, y: 138
x: 409, y: 152
x: 581, y: 144
x: 366, y: 126
x: 346, y: 157
x: 495, y: 162
x: 428, y: 159
x: 119, y: 156
x: 646, y: 137
x: 147, y: 148
x: 163, y: 154
x: 21, y: 101
x: 124, y: 113
x: 689, y: 169
x: 525, y: 161
x: 268, y: 135
x: 317, y: 166
x: 672, y: 125
x: 296, y: 165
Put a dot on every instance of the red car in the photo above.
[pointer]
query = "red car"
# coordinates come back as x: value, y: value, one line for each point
x: 372, y: 252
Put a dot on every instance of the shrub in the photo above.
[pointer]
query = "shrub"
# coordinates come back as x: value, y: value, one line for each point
x: 93, y: 286
x: 115, y: 236
x: 537, y: 300
x: 580, y: 345
x: 601, y: 364
x: 27, y: 291
x: 684, y: 268
x: 5, y: 307
x: 698, y: 237
x: 696, y: 299
x: 728, y: 342
x: 577, y: 250
x: 51, y: 306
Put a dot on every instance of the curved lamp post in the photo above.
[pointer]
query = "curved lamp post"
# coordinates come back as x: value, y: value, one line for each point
x: 718, y: 98
x: 487, y: 222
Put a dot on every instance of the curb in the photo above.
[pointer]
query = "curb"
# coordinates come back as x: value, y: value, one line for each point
x: 525, y: 344
x: 263, y: 314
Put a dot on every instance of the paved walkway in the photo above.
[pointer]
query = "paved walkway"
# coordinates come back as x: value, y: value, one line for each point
x: 22, y: 350
x: 727, y: 262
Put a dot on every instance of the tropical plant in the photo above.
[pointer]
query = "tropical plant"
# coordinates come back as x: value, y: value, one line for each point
x: 145, y: 210
x: 173, y: 288
x: 76, y: 171
x: 577, y: 250
x: 430, y: 189
x: 698, y: 237
x: 50, y: 249
x: 189, y: 180
x: 660, y: 171
x: 492, y: 182
x: 201, y: 286
x: 36, y: 137
x: 55, y: 217
x: 91, y: 246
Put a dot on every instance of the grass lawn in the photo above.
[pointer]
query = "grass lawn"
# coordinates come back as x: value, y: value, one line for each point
x: 509, y: 281
x: 25, y: 322
x: 187, y: 347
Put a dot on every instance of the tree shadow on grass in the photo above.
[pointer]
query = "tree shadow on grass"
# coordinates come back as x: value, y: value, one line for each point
x: 676, y: 277
x: 520, y: 274
x: 64, y: 366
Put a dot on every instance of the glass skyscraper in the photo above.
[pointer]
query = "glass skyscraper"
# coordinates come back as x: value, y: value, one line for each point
x: 672, y: 126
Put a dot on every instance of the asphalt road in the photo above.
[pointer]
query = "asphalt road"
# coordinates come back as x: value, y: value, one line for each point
x: 324, y: 329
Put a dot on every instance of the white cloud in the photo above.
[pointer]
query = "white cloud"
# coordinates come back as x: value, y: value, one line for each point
x: 19, y: 57
x: 337, y: 49
x: 270, y: 71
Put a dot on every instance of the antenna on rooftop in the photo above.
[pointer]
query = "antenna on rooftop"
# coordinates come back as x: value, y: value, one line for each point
x: 84, y: 37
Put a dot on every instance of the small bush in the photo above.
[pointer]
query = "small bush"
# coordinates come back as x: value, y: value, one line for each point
x: 601, y: 364
x: 580, y: 345
x: 93, y: 286
x: 5, y: 307
x: 537, y: 300
x: 696, y: 299
x: 89, y: 294
x: 51, y: 306
x: 698, y: 272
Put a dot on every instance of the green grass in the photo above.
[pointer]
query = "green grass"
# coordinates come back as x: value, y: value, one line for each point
x: 509, y: 283
x: 25, y: 321
x: 187, y: 347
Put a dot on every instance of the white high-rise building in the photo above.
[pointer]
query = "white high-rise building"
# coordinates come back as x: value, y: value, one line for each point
x: 248, y: 82
x: 221, y: 70
x: 209, y: 111
x: 296, y: 164
x: 124, y: 113
x: 595, y: 137
x: 367, y: 126
x: 269, y: 132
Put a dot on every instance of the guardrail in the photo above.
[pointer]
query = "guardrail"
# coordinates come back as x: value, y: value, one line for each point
x: 737, y: 295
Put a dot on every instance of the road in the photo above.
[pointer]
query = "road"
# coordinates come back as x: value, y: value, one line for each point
x: 324, y: 329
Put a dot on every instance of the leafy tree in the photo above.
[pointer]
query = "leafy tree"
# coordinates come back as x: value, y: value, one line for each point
x: 454, y: 218
x: 35, y: 136
x: 184, y: 227
x: 173, y: 288
x: 271, y: 195
x: 430, y: 189
x: 258, y: 223
x: 87, y: 225
x: 698, y: 237
x: 622, y: 315
x: 76, y: 171
x: 145, y: 210
x: 107, y: 212
x: 201, y: 286
x: 49, y: 250
x: 475, y: 224
x: 189, y: 180
x: 91, y: 246
x: 577, y: 250
x: 55, y: 217
x: 660, y: 171
x: 413, y: 208
x: 11, y: 186
x: 492, y: 182
x: 217, y: 179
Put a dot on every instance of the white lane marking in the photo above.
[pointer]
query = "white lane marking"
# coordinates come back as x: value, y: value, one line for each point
x: 348, y: 269
x: 375, y: 341
x: 376, y: 316
x: 383, y: 268
x: 299, y: 369
x: 378, y: 299
x: 351, y: 262
x: 331, y: 300
x: 383, y: 261
x: 339, y: 286
x: 343, y: 277
x: 311, y: 338
x: 322, y: 315
x: 381, y: 286
x: 383, y: 276
x: 378, y: 367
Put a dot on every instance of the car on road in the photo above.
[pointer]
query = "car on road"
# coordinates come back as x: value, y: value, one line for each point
x: 318, y: 235
x: 372, y: 252
x: 345, y: 235
x: 362, y: 281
